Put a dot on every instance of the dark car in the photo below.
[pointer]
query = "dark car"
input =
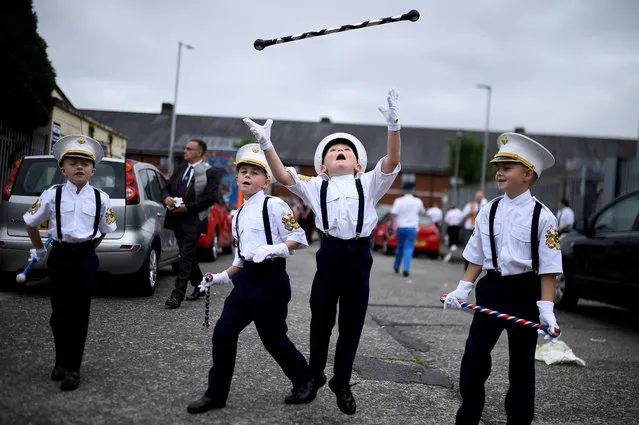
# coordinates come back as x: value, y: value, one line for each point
x: 599, y: 256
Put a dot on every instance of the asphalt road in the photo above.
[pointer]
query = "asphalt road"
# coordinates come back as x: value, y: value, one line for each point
x: 143, y: 364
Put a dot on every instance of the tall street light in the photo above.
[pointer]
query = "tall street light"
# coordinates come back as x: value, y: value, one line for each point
x: 486, y: 131
x: 173, y: 114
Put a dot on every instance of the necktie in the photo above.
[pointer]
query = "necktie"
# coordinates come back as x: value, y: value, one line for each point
x: 185, y: 180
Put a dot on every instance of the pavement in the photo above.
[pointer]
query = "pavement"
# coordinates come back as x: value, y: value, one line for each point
x: 143, y: 363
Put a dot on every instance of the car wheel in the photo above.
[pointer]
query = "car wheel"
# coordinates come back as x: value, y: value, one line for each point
x: 146, y: 278
x: 565, y: 295
x: 373, y: 246
x: 215, y: 247
x: 386, y: 249
x: 433, y: 254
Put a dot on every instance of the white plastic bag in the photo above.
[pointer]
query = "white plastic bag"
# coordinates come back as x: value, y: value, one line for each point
x: 557, y: 352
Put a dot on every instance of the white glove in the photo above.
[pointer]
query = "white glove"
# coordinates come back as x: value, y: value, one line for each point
x: 390, y: 113
x: 547, y: 317
x: 214, y: 279
x: 464, y: 288
x: 38, y: 254
x: 269, y: 251
x: 262, y: 133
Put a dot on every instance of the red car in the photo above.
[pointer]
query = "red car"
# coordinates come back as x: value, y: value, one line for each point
x: 218, y: 238
x: 385, y: 236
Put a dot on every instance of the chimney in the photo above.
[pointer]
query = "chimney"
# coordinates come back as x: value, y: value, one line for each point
x: 167, y: 109
x: 325, y: 120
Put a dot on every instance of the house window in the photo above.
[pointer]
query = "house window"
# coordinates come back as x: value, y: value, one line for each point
x: 408, y: 180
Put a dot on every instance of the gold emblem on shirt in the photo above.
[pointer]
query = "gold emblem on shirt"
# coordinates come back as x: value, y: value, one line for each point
x: 304, y: 178
x: 552, y: 238
x: 110, y: 216
x: 289, y: 222
x: 35, y: 207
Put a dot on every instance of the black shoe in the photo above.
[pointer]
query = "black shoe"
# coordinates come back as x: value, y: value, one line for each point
x: 58, y: 373
x: 344, y: 396
x: 172, y: 302
x: 196, y: 294
x: 304, y: 393
x: 204, y: 404
x: 405, y: 274
x: 396, y: 270
x: 70, y: 381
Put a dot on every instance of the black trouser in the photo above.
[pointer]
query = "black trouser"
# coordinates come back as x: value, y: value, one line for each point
x: 261, y: 294
x: 189, y: 267
x: 453, y: 235
x: 72, y: 272
x: 515, y: 295
x: 343, y: 274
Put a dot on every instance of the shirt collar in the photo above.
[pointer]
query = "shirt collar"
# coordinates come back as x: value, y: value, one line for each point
x: 195, y: 164
x: 257, y: 198
x: 344, y: 178
x: 74, y: 189
x: 519, y: 200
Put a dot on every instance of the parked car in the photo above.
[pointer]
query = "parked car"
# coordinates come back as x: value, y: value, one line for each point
x: 139, y: 246
x: 598, y: 257
x: 218, y: 238
x: 385, y: 236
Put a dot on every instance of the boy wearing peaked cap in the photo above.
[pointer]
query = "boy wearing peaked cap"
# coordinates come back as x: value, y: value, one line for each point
x: 516, y: 242
x: 76, y: 212
x: 265, y: 233
x: 343, y: 197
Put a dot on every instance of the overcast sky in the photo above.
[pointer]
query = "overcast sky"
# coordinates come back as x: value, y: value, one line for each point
x: 555, y: 66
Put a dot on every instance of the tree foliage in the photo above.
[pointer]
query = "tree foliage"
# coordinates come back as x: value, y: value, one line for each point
x: 470, y: 156
x: 28, y: 78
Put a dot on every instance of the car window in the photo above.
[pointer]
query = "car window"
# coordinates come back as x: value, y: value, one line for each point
x: 156, y: 184
x: 620, y: 217
x: 38, y: 174
x: 425, y: 220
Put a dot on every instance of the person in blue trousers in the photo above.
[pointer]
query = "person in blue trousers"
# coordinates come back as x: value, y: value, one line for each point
x: 407, y: 208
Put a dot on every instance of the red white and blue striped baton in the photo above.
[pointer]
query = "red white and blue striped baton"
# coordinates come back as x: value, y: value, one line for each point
x: 523, y: 322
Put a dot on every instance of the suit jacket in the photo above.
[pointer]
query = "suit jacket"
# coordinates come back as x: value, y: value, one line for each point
x: 189, y: 221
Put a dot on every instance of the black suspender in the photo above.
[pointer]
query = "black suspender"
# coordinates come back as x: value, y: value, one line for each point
x: 491, y: 231
x: 58, y: 217
x: 360, y: 208
x: 267, y: 222
x: 265, y: 219
x: 534, y: 237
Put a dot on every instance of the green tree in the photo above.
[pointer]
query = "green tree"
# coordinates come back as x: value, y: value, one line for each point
x: 470, y: 154
x: 244, y: 141
x: 27, y: 76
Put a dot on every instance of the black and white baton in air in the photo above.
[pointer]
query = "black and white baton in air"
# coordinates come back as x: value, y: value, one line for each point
x: 22, y: 277
x: 412, y: 16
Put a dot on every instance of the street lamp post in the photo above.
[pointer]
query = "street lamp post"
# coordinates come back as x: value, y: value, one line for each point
x: 173, y: 113
x: 489, y: 90
x: 457, y: 152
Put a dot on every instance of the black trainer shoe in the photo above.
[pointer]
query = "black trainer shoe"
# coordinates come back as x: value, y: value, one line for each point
x: 406, y: 274
x: 58, y: 372
x: 70, y: 382
x: 344, y: 397
x: 204, y: 404
x: 196, y: 294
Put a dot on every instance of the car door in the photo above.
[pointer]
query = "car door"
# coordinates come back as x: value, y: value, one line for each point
x: 605, y: 259
x: 156, y: 183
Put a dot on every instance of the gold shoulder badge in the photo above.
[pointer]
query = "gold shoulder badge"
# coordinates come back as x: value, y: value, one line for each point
x: 289, y: 222
x: 504, y: 140
x: 552, y: 238
x: 110, y: 216
x: 304, y: 178
x: 35, y: 207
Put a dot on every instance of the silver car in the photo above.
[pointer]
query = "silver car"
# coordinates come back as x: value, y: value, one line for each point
x: 139, y: 246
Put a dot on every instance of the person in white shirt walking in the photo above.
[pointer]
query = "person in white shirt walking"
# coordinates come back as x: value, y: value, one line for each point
x: 565, y: 216
x: 436, y: 214
x: 453, y: 220
x: 407, y: 209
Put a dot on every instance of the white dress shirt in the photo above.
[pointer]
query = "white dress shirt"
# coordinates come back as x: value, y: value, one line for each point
x: 342, y: 200
x: 250, y: 228
x: 407, y: 209
x: 453, y: 217
x: 472, y: 208
x: 189, y: 169
x: 435, y: 213
x: 512, y: 226
x: 77, y: 213
x: 565, y: 216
